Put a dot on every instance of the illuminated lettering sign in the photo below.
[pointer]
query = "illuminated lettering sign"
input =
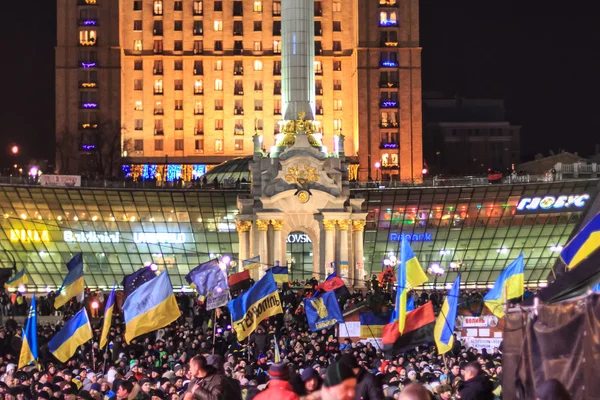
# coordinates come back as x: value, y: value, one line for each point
x: 159, y: 238
x: 389, y: 104
x: 552, y: 203
x: 389, y: 63
x: 29, y: 236
x: 411, y: 237
x: 91, y: 237
x: 298, y: 238
x: 390, y: 145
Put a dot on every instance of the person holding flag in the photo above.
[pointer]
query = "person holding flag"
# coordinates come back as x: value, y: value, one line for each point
x: 108, y: 313
x: 443, y: 331
x: 29, y: 349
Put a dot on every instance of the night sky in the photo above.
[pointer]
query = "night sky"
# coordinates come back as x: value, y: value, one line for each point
x: 543, y: 59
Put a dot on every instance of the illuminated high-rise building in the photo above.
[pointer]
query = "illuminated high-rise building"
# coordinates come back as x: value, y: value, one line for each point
x: 190, y: 82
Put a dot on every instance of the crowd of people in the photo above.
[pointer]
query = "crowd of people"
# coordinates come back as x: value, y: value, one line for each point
x: 199, y: 358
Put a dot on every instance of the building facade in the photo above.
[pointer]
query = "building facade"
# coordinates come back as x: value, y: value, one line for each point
x: 476, y: 230
x: 189, y: 82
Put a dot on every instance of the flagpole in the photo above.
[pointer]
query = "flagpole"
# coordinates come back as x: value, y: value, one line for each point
x: 214, y: 331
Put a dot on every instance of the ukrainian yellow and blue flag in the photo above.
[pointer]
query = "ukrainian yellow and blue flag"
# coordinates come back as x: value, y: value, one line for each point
x: 73, y: 284
x: 371, y: 324
x: 277, y: 353
x: 150, y: 307
x: 76, y: 332
x: 443, y: 332
x: 251, y: 263
x: 257, y: 303
x: 280, y: 274
x: 20, y: 278
x: 29, y: 350
x: 512, y: 279
x: 108, y: 313
x: 583, y: 244
x: 410, y: 275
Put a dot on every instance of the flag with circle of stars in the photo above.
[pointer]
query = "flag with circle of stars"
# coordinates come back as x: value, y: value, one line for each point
x: 208, y: 277
x: 138, y: 278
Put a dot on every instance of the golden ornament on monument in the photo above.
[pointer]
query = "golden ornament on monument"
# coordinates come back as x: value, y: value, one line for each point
x: 303, y: 196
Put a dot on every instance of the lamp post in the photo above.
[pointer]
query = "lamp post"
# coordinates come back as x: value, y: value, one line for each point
x: 377, y: 166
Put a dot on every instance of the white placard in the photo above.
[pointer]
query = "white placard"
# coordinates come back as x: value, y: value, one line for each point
x: 349, y: 329
x: 60, y: 180
x: 485, y: 321
x: 497, y: 334
x: 376, y: 342
x: 214, y: 300
x: 483, y: 343
x: 472, y: 332
x: 484, y: 332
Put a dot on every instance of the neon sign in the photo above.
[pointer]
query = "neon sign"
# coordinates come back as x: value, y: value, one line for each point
x: 298, y: 238
x: 29, y: 236
x: 389, y: 104
x: 388, y: 22
x: 390, y: 145
x: 88, y: 65
x: 91, y: 237
x: 389, y: 63
x: 552, y: 203
x: 411, y: 237
x: 159, y: 238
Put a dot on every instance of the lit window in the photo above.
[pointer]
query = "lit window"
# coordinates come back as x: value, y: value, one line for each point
x: 257, y: 46
x: 337, y: 124
x: 385, y: 159
x: 197, y: 7
x: 158, y: 85
x: 337, y: 105
x: 258, y: 66
x: 218, y: 25
x: 198, y: 108
x: 198, y: 86
x: 258, y: 6
x: 277, y: 46
x: 388, y: 18
x: 137, y: 45
x: 218, y: 85
x: 158, y: 7
x: 394, y: 159
x: 218, y: 65
x: 318, y: 67
x: 239, y: 144
x: 218, y: 145
x: 87, y: 37
x: 138, y: 105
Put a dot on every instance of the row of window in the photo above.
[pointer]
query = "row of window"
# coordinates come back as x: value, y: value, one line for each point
x: 238, y: 66
x: 138, y: 145
x: 238, y: 46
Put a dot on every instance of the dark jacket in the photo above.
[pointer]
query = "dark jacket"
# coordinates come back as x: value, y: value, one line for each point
x: 477, y: 388
x: 213, y: 387
x: 369, y: 387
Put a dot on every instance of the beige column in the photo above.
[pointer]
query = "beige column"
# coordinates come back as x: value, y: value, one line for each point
x: 263, y: 245
x: 277, y: 243
x: 243, y: 229
x: 358, y: 228
x: 329, y: 226
x: 343, y: 225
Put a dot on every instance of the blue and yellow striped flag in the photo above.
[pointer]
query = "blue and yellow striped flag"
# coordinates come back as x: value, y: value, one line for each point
x: 512, y: 279
x: 108, y: 313
x: 277, y: 353
x: 73, y: 284
x: 29, y: 349
x: 410, y: 275
x: 257, y: 303
x: 150, y: 307
x: 76, y: 332
x: 251, y: 263
x: 20, y: 278
x: 443, y: 332
x: 280, y: 274
x: 583, y: 244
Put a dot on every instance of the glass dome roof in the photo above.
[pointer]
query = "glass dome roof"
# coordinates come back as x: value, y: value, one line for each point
x: 238, y: 168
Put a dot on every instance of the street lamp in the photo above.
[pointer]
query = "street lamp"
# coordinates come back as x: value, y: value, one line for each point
x: 14, y: 149
x: 377, y: 166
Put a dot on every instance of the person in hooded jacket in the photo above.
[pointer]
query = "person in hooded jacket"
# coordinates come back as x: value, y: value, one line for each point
x: 477, y: 385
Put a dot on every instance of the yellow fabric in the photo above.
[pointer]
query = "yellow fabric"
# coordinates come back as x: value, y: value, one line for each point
x: 69, y: 347
x: 24, y: 280
x: 26, y: 355
x: 443, y: 348
x: 281, y: 278
x: 515, y: 287
x: 161, y: 315
x: 415, y: 276
x: 106, y: 326
x: 264, y: 308
x: 69, y: 292
x: 588, y: 248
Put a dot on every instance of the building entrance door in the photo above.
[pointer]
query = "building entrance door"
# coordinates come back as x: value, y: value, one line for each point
x: 299, y: 256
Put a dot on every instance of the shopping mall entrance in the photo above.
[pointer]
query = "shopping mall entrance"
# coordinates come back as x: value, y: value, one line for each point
x: 299, y: 256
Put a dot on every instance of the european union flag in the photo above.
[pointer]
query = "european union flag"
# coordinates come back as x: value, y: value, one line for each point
x: 137, y: 279
x: 323, y: 311
x: 29, y: 350
x: 208, y: 277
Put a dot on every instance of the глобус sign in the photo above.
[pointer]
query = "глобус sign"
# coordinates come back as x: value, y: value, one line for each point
x: 552, y: 203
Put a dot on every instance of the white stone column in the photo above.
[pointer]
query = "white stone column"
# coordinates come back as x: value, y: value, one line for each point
x: 263, y: 245
x: 243, y: 228
x: 329, y: 257
x: 358, y: 228
x: 277, y: 243
x: 343, y: 225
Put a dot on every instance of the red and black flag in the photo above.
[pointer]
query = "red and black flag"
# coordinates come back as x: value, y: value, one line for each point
x: 336, y: 284
x: 239, y: 281
x: 418, y: 330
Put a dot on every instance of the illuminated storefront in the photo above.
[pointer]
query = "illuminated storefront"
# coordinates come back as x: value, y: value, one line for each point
x: 479, y: 228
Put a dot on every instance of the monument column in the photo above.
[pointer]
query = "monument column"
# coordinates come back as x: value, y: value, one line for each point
x: 263, y: 245
x: 344, y: 268
x: 277, y: 243
x: 243, y: 228
x: 358, y: 228
x: 329, y: 226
